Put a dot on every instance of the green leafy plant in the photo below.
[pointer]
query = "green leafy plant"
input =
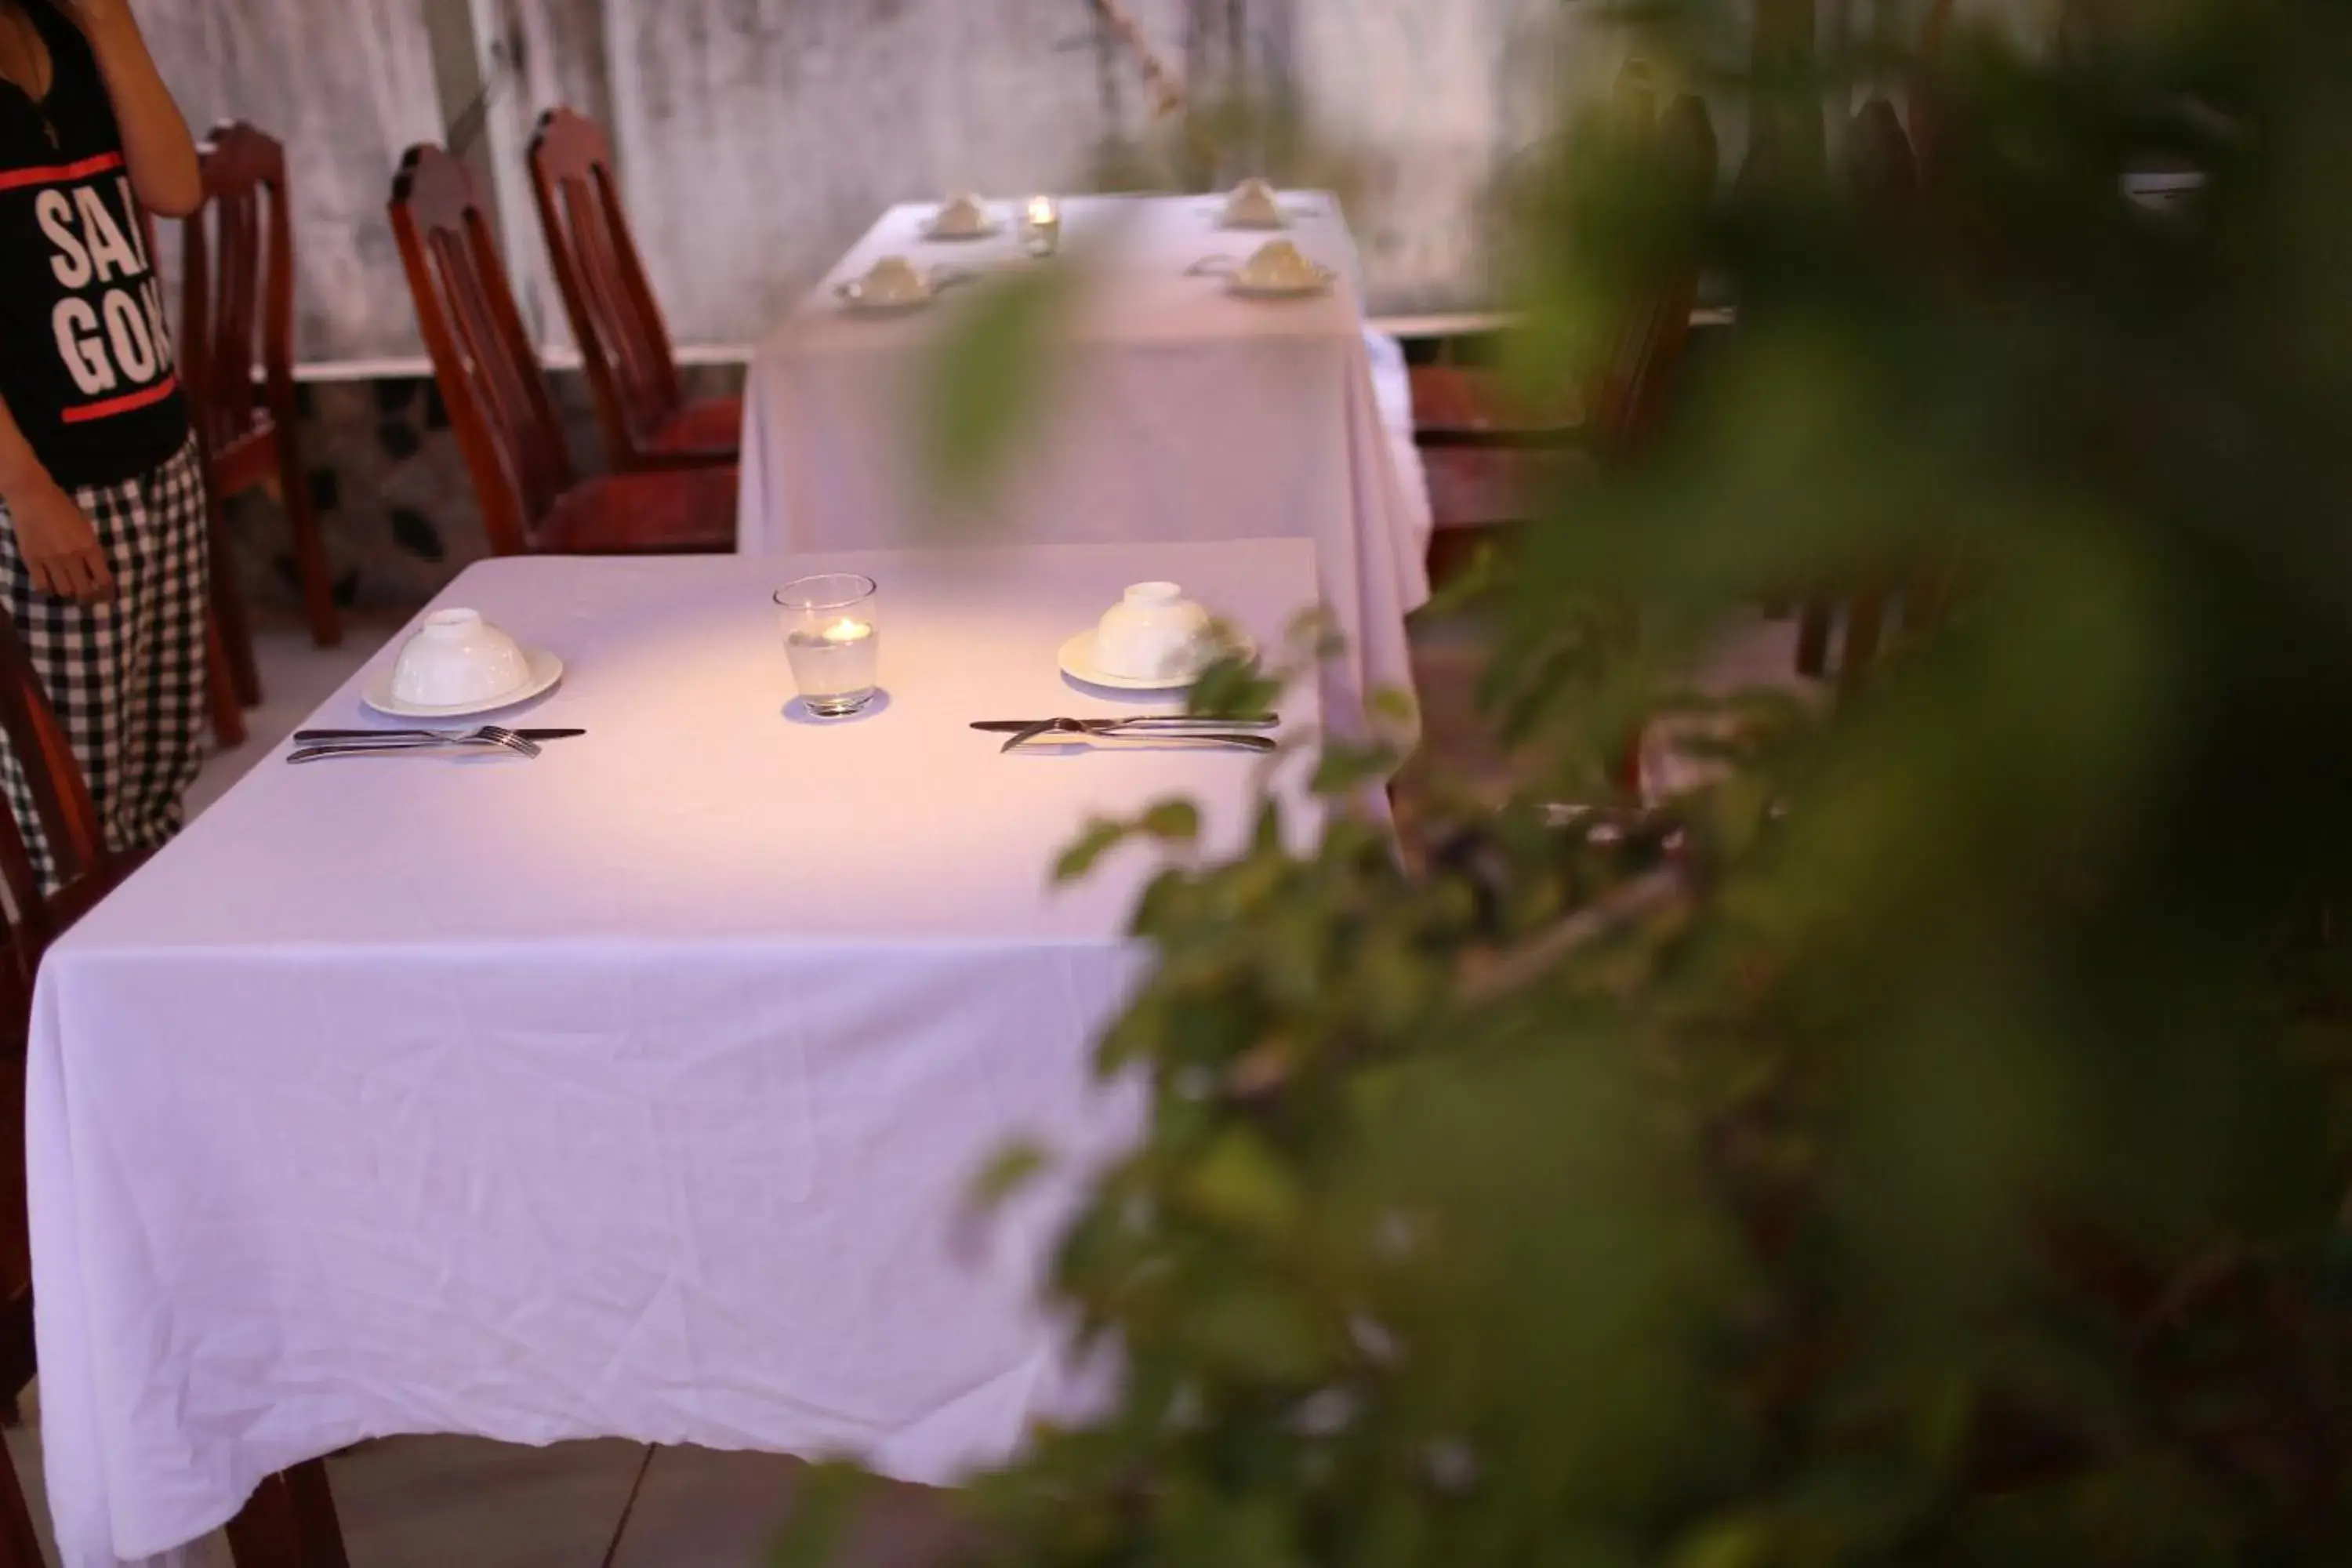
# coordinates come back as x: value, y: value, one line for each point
x: 1923, y: 1143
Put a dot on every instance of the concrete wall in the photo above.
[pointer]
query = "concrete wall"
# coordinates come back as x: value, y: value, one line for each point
x: 758, y: 137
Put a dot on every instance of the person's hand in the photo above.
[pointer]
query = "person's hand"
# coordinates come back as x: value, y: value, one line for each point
x: 60, y: 550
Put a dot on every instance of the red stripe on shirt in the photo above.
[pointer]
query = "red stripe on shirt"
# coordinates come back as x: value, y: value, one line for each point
x: 58, y: 174
x: 124, y: 404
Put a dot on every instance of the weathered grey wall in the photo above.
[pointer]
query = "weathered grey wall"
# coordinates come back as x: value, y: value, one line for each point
x: 346, y: 84
x: 792, y: 121
x: 758, y: 137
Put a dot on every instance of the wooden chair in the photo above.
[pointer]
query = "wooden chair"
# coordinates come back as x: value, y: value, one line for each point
x: 20, y: 1545
x: 70, y: 824
x: 237, y: 277
x: 498, y: 396
x: 290, y: 1523
x: 1486, y: 451
x: 623, y: 344
x: 1883, y: 177
x: 1923, y: 109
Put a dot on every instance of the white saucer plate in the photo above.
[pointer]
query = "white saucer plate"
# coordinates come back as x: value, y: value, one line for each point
x: 931, y: 231
x: 853, y: 300
x: 1289, y: 217
x: 1077, y: 660
x: 1306, y: 288
x: 546, y: 670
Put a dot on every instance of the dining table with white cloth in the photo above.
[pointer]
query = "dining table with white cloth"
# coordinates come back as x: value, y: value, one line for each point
x: 632, y: 1090
x: 1170, y: 410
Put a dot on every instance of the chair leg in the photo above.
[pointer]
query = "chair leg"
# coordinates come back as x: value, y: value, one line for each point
x: 315, y: 1516
x: 290, y: 1522
x: 1813, y: 638
x: 310, y: 546
x: 20, y: 1547
x: 228, y: 615
x: 1863, y: 626
x: 220, y: 684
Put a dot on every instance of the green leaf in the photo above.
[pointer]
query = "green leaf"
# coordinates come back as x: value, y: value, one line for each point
x: 1346, y: 767
x: 1100, y: 837
x: 1008, y: 1171
x: 1394, y: 707
x: 1240, y: 1182
x: 990, y: 373
x: 1233, y: 687
x: 1314, y: 636
x: 1173, y: 821
x: 824, y: 1506
x: 1738, y: 1542
x: 1252, y: 1325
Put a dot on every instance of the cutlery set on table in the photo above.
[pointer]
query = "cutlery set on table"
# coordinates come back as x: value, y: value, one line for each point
x: 316, y: 745
x: 313, y: 745
x: 1160, y: 727
x: 1153, y: 639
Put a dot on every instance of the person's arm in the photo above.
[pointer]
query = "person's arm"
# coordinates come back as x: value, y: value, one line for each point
x: 155, y: 139
x: 59, y: 548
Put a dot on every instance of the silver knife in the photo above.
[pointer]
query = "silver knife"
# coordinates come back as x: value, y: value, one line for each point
x: 1166, y: 721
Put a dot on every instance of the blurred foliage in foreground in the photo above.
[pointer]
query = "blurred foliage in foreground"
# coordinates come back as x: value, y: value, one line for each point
x: 1936, y: 1151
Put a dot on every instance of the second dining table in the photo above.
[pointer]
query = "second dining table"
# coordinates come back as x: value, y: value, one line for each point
x: 1170, y: 410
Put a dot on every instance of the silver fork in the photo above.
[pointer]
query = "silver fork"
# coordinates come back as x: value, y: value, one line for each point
x: 1134, y: 730
x: 489, y: 737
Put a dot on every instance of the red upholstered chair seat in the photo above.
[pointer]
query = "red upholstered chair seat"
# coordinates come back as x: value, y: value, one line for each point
x: 690, y: 511
x: 711, y: 429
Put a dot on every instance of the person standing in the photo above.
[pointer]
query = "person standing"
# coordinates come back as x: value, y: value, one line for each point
x: 102, y: 544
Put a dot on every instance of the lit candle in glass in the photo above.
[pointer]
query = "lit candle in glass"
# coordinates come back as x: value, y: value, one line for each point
x: 831, y: 641
x: 1041, y: 225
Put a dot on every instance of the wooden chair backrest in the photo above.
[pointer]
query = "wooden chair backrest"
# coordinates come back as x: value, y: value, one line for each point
x: 1882, y: 177
x: 1923, y: 111
x: 237, y: 286
x: 623, y: 343
x: 1881, y: 171
x: 482, y: 358
x: 1627, y: 402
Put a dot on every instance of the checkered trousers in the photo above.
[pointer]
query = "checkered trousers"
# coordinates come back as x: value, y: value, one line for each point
x: 127, y: 678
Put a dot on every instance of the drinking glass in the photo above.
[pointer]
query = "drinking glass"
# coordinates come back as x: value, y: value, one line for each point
x: 1041, y: 225
x: 832, y: 640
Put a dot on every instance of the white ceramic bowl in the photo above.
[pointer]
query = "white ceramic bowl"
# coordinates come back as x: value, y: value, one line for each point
x: 893, y: 280
x: 1279, y: 264
x: 1152, y: 633
x: 959, y: 215
x: 457, y: 657
x: 1253, y: 205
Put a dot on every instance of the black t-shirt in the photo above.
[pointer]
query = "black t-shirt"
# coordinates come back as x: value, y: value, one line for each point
x: 86, y: 360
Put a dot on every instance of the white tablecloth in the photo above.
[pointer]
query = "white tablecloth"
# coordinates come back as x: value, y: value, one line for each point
x: 632, y: 1090
x: 1178, y: 412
